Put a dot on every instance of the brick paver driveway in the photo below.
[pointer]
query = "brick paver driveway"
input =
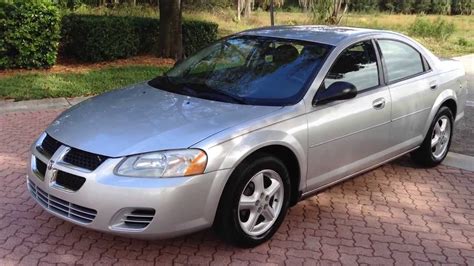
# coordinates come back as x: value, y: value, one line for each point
x: 395, y: 214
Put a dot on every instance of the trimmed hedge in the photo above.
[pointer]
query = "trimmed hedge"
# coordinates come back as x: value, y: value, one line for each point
x: 197, y: 35
x: 29, y: 34
x: 98, y: 38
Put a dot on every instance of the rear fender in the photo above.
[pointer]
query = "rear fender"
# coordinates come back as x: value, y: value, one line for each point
x: 442, y: 97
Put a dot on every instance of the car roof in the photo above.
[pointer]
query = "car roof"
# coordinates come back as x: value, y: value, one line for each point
x: 331, y: 35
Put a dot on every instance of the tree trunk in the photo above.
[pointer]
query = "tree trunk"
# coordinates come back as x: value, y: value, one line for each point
x: 239, y: 9
x: 248, y: 8
x: 171, y: 39
x: 272, y: 15
x: 337, y: 11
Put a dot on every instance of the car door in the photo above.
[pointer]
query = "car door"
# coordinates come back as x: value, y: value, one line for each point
x: 413, y: 88
x: 347, y: 136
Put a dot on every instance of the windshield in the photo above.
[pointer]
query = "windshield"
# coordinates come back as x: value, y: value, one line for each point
x: 247, y: 70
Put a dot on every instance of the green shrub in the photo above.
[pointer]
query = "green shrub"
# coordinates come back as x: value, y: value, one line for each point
x: 29, y: 34
x: 464, y: 42
x: 197, y: 35
x: 439, y: 29
x: 148, y: 30
x: 99, y: 38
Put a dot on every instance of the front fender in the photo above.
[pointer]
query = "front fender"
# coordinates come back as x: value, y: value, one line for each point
x: 233, y: 152
x: 281, y: 129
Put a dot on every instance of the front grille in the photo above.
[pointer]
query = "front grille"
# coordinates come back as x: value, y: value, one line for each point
x: 138, y: 218
x: 84, y: 159
x: 49, y: 146
x: 69, y: 181
x: 61, y: 207
x: 40, y: 167
x: 74, y: 157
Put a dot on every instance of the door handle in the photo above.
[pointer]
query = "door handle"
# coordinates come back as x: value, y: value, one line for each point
x: 433, y: 85
x: 378, y: 103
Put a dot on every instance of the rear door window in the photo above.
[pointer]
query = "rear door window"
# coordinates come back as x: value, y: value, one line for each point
x: 401, y: 60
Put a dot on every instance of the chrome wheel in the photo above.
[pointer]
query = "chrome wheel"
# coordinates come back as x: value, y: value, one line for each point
x: 261, y: 202
x: 440, y: 137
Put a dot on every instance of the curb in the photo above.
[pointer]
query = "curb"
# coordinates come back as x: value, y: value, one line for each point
x: 36, y: 105
x: 458, y: 160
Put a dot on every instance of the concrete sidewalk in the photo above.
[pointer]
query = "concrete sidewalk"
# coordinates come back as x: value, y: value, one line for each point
x: 468, y: 62
x: 37, y: 105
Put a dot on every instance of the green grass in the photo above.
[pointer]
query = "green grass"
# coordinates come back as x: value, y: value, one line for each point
x: 48, y: 85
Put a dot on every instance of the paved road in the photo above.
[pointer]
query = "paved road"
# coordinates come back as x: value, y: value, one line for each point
x: 396, y: 214
x: 463, y: 140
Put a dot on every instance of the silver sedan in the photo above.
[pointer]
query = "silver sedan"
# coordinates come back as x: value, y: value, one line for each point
x: 236, y: 134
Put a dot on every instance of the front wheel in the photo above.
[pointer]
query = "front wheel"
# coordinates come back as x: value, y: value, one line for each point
x: 254, y: 202
x: 436, y: 145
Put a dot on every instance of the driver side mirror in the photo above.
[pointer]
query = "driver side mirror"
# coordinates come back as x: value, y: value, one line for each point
x: 339, y: 90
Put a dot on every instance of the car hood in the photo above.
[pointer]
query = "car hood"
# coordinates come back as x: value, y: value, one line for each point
x: 142, y: 119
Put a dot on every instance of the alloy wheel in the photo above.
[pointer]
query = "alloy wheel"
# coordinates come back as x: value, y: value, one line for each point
x: 261, y: 202
x: 440, y: 137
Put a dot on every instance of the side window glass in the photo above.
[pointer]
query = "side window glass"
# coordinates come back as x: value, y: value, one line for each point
x: 401, y: 60
x: 356, y: 65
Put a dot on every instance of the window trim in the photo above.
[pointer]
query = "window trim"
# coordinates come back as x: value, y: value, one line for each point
x: 426, y: 67
x: 380, y: 65
x: 380, y: 75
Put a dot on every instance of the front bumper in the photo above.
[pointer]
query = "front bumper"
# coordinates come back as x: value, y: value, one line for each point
x: 175, y: 206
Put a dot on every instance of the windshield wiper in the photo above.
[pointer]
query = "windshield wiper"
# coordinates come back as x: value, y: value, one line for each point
x: 176, y: 86
x: 191, y: 89
x: 199, y: 87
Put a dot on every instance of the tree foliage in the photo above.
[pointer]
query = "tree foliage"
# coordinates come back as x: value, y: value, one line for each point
x: 453, y: 7
x: 450, y: 7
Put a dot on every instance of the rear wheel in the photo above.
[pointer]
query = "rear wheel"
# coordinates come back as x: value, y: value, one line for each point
x: 436, y: 145
x: 254, y: 202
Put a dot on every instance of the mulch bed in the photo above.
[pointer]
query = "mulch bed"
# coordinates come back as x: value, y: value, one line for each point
x: 66, y: 65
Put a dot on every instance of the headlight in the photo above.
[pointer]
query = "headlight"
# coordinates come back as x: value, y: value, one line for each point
x: 164, y: 164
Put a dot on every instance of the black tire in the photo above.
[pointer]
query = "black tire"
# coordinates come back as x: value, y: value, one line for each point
x: 226, y: 223
x: 424, y: 155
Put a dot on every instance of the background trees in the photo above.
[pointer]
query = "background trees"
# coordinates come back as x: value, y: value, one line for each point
x: 450, y: 7
x: 321, y: 11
